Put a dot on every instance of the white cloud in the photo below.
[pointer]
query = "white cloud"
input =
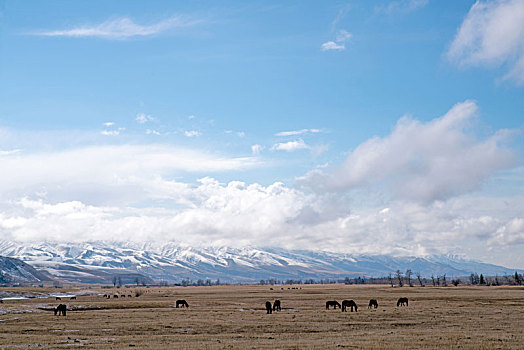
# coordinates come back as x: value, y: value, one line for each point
x: 191, y: 117
x: 423, y: 161
x: 290, y: 146
x: 240, y: 214
x: 401, y: 6
x: 331, y: 45
x: 492, y: 34
x: 121, y: 28
x: 339, y: 44
x: 511, y: 233
x: 109, y: 124
x: 192, y: 133
x: 298, y: 132
x: 110, y: 132
x: 109, y: 173
x: 256, y: 149
x: 143, y: 118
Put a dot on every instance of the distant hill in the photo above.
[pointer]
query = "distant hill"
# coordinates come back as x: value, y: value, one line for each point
x: 101, y: 262
x: 16, y: 271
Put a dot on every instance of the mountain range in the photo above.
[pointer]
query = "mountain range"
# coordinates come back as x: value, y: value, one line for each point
x: 100, y: 262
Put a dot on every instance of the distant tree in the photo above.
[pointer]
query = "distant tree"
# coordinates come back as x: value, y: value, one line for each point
x: 390, y: 279
x: 420, y: 279
x: 347, y: 280
x: 408, y: 277
x: 217, y: 282
x: 444, y: 282
x: 518, y: 279
x: 137, y: 281
x: 208, y: 282
x: 398, y: 275
x: 200, y: 282
x: 119, y: 282
x: 433, y: 280
x: 115, y: 280
x: 272, y: 281
x: 481, y: 280
x: 455, y: 282
x: 438, y: 281
x: 497, y: 282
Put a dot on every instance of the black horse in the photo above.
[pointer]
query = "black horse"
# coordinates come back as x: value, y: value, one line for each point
x: 61, y: 310
x: 349, y: 303
x: 269, y: 310
x: 333, y: 303
x: 402, y: 301
x: 372, y: 304
x: 181, y: 303
x: 276, y: 306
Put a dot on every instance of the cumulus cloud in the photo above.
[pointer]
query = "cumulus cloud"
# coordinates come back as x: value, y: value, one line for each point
x: 290, y: 146
x: 423, y: 161
x: 143, y: 118
x: 492, y: 34
x: 121, y: 28
x: 401, y: 6
x: 339, y: 44
x: 109, y: 124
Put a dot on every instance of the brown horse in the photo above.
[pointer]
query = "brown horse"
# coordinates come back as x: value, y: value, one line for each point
x: 276, y: 306
x: 402, y: 301
x: 349, y: 303
x: 61, y: 310
x: 333, y: 303
x: 269, y: 310
x: 181, y: 303
x: 372, y: 304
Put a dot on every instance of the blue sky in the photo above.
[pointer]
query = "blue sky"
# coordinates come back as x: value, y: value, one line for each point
x: 393, y: 125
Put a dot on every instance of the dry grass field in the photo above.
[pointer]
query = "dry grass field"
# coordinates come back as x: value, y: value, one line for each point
x: 233, y: 317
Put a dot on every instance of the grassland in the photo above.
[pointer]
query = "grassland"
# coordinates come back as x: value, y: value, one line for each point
x: 233, y: 317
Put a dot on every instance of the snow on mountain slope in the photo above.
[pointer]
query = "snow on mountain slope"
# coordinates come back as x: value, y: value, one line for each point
x: 174, y: 262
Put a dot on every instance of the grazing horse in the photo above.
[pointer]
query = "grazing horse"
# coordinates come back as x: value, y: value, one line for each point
x: 123, y: 296
x: 372, y: 304
x: 276, y: 306
x: 269, y: 310
x: 181, y: 303
x: 129, y: 295
x: 73, y: 298
x: 349, y: 303
x: 333, y: 303
x: 402, y: 301
x: 61, y: 310
x: 115, y: 296
x: 58, y: 298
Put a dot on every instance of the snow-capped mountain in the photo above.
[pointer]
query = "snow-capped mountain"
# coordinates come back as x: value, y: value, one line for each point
x: 16, y: 271
x: 172, y: 262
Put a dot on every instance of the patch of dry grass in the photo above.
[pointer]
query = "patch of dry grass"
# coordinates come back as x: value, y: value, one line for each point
x: 225, y: 317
